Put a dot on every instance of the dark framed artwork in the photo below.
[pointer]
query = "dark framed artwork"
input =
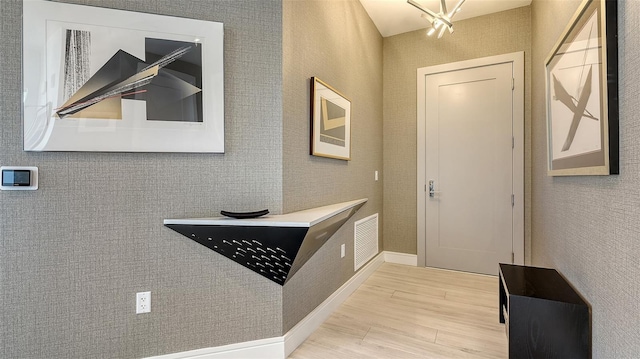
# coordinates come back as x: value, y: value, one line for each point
x: 582, y: 94
x: 106, y: 80
x: 330, y: 122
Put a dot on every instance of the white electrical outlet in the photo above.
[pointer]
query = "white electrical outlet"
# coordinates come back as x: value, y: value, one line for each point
x: 375, y: 175
x: 143, y: 302
x: 342, y: 251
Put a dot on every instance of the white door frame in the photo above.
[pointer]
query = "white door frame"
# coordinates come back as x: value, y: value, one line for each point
x: 517, y: 58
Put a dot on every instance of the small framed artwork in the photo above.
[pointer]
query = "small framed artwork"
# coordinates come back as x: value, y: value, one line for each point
x: 106, y: 80
x: 582, y: 94
x: 330, y: 122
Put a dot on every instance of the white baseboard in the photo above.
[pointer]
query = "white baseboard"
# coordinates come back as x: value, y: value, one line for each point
x: 401, y: 258
x: 281, y: 347
x: 270, y: 348
x: 301, y: 331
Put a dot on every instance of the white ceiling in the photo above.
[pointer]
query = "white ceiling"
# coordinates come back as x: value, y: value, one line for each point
x: 394, y: 17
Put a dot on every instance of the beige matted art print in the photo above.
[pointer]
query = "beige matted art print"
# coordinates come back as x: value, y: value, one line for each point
x: 582, y: 94
x: 330, y: 122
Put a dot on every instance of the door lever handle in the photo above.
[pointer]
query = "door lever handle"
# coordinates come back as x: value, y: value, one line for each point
x: 432, y: 191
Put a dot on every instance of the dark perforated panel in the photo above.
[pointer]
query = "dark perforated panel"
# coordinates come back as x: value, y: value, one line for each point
x: 268, y: 251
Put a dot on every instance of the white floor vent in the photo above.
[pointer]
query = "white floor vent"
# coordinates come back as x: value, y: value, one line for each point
x: 365, y: 241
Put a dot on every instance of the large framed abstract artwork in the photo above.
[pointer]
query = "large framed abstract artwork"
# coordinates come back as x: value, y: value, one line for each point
x: 98, y: 79
x: 582, y: 94
x: 330, y: 122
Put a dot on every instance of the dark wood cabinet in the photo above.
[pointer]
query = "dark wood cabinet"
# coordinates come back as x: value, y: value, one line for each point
x: 544, y: 316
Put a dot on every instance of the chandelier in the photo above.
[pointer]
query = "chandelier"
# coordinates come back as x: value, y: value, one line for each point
x: 439, y: 21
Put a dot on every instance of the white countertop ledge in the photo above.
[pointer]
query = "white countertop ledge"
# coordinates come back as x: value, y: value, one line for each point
x: 305, y: 218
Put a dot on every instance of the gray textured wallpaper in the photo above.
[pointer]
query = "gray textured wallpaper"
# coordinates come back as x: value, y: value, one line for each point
x: 589, y: 227
x: 495, y: 34
x: 338, y: 43
x: 74, y: 253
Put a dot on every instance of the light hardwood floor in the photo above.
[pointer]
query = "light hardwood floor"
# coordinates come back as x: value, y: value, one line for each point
x: 409, y: 312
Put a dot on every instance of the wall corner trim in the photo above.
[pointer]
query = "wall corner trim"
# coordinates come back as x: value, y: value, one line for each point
x: 281, y: 347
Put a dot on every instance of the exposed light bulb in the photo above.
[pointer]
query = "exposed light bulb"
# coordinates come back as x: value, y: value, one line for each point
x: 439, y: 21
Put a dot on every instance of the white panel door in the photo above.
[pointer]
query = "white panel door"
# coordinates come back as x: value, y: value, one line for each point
x: 468, y: 139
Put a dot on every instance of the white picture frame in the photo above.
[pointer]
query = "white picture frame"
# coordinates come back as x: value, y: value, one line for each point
x: 105, y: 80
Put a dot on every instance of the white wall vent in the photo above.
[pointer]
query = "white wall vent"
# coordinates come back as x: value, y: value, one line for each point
x: 365, y: 241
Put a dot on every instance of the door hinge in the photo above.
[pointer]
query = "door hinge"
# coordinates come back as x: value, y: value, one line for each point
x: 425, y: 188
x: 513, y: 142
x: 513, y: 257
x: 513, y: 83
x: 513, y: 200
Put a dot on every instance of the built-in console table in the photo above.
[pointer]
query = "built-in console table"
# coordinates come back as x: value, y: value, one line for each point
x: 544, y: 316
x: 274, y: 246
